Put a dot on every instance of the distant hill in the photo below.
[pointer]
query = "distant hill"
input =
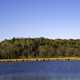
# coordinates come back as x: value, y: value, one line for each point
x: 39, y: 47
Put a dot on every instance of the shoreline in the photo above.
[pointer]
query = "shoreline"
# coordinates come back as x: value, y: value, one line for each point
x: 41, y: 59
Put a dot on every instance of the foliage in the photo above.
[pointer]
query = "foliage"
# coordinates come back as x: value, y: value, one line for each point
x: 39, y: 47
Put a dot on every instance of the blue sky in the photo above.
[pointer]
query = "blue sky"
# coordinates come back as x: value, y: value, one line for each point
x: 39, y: 18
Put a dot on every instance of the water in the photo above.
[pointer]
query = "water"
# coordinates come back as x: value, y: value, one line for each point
x: 48, y: 70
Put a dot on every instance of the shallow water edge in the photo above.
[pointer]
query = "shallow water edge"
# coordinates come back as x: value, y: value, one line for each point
x: 40, y: 59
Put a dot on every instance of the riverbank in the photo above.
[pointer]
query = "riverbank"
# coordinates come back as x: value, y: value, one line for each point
x: 42, y: 59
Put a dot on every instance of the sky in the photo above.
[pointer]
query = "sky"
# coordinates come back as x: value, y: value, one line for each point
x: 39, y: 18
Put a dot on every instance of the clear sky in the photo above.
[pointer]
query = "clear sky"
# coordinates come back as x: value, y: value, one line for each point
x: 40, y: 18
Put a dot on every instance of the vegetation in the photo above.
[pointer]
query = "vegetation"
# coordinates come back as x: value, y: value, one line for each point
x: 39, y: 47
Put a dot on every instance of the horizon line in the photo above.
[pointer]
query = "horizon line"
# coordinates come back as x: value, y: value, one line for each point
x: 9, y: 38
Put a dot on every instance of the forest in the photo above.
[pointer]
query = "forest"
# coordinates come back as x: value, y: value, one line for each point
x: 17, y: 48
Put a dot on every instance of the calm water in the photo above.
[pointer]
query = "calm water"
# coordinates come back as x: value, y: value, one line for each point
x: 56, y: 70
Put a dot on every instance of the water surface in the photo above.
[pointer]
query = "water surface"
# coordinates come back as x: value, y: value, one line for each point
x: 48, y: 70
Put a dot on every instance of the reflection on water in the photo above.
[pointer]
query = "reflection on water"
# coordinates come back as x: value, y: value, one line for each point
x: 38, y: 77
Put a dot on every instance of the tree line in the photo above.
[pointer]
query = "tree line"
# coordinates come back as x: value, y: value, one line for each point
x: 39, y: 47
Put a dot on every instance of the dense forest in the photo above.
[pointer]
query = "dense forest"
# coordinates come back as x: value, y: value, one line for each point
x: 39, y: 47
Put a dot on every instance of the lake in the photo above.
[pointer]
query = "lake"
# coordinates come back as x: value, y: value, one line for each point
x: 39, y: 70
